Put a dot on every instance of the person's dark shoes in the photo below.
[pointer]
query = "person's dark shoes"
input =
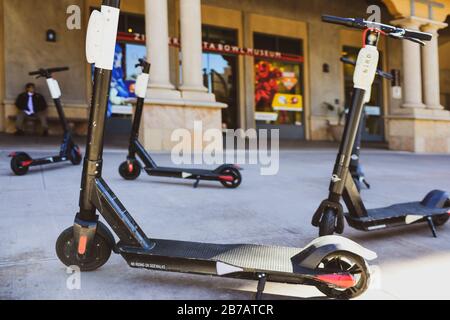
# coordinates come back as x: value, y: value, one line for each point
x: 45, y: 133
x: 19, y: 133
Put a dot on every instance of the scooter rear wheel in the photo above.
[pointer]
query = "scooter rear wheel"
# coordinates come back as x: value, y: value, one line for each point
x: 16, y: 164
x: 346, y: 262
x: 130, y: 170
x: 327, y: 225
x: 75, y: 156
x: 99, y: 255
x: 230, y: 171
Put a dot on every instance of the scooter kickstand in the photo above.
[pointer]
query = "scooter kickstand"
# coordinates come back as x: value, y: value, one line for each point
x: 261, y: 286
x: 197, y: 182
x: 432, y: 226
x: 366, y: 183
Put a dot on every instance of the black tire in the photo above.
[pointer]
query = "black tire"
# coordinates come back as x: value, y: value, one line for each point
x: 102, y: 248
x: 130, y: 170
x: 440, y: 220
x: 75, y: 156
x: 344, y: 261
x: 327, y: 226
x: 16, y: 164
x: 231, y: 171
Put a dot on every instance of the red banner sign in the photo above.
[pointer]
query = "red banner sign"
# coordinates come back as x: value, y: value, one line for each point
x: 219, y: 48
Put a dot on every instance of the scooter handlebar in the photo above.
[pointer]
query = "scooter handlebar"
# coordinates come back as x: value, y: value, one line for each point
x: 380, y: 73
x: 47, y: 72
x: 394, y: 32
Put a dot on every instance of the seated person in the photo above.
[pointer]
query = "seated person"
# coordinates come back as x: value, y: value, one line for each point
x: 30, y: 103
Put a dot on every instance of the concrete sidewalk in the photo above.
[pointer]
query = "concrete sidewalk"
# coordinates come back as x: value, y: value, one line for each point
x: 271, y: 210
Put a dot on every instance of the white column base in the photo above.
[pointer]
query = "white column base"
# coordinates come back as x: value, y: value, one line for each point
x: 438, y: 107
x: 163, y: 93
x: 196, y: 95
x: 413, y: 105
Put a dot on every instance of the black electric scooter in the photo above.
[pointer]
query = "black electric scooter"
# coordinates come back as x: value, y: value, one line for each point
x: 335, y: 265
x: 228, y: 175
x: 21, y: 162
x: 329, y: 217
x: 355, y: 167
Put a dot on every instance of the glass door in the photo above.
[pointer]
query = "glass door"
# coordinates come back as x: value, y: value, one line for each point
x: 220, y: 73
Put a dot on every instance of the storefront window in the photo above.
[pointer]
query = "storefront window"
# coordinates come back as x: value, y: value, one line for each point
x: 279, y: 94
x: 124, y: 77
x: 127, y: 55
x: 220, y: 73
x: 278, y: 91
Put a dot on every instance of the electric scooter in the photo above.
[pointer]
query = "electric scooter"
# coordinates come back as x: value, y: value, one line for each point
x: 21, y: 162
x: 355, y: 167
x: 228, y: 175
x: 329, y: 217
x: 335, y: 265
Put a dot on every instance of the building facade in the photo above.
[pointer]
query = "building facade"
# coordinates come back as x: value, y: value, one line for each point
x: 240, y: 64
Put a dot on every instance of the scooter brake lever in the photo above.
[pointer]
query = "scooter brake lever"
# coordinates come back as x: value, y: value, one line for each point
x: 422, y: 43
x: 400, y: 37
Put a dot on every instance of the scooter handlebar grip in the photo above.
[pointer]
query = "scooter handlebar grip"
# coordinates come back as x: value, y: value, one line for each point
x: 424, y: 36
x: 349, y: 22
x: 59, y: 69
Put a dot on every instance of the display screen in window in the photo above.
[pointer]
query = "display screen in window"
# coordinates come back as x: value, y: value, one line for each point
x: 278, y: 96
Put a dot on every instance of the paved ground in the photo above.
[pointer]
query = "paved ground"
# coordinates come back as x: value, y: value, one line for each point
x: 273, y: 210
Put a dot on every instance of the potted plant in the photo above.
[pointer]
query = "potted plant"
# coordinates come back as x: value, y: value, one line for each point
x: 336, y: 128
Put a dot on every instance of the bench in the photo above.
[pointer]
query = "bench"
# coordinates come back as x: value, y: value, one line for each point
x: 51, y: 120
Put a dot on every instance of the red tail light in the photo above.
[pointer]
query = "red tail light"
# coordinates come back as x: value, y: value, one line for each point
x: 26, y: 163
x: 344, y: 281
x: 227, y: 178
x: 130, y: 168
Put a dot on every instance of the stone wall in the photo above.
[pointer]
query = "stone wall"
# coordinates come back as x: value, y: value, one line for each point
x: 26, y: 49
x: 444, y: 63
x: 2, y: 70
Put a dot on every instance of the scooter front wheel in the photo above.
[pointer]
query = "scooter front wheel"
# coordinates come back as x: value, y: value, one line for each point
x: 17, y: 164
x: 327, y: 225
x: 75, y: 156
x: 68, y: 254
x: 346, y: 262
x: 235, y: 174
x: 130, y: 170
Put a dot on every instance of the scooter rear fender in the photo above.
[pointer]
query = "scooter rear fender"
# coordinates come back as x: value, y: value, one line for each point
x: 312, y: 255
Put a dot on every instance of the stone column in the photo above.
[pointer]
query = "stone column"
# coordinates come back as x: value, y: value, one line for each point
x: 430, y: 60
x: 412, y: 71
x: 192, y: 87
x: 157, y: 30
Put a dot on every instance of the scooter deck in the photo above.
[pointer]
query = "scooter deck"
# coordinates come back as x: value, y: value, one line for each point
x: 399, y: 214
x: 181, y: 173
x: 230, y: 260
